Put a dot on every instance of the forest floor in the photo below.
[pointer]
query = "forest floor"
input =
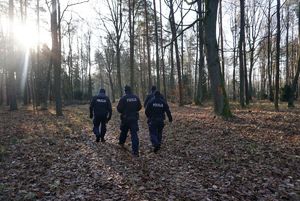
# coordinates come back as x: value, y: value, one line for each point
x: 253, y: 156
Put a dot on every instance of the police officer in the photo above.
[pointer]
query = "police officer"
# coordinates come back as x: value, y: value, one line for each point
x: 155, y: 112
x: 129, y: 107
x: 149, y: 96
x: 100, y: 109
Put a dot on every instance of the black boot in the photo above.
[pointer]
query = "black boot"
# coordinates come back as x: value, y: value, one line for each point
x: 97, y: 138
x: 155, y: 150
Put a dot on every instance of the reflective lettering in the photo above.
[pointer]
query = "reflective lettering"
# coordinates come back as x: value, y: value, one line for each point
x: 158, y: 105
x: 101, y: 100
x: 131, y: 99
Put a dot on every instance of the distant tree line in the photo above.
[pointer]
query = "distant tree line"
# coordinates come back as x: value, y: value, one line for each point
x: 252, y: 56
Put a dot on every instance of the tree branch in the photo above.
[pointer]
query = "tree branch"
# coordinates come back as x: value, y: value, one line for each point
x: 70, y: 5
x: 189, y: 26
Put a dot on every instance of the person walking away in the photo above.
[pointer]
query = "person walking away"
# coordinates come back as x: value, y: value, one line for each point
x: 149, y: 96
x: 155, y: 112
x: 101, y: 111
x: 129, y: 107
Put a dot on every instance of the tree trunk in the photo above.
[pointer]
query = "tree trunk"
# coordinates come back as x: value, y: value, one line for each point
x: 11, y: 76
x: 196, y: 64
x: 245, y: 72
x: 234, y: 60
x: 295, y: 80
x: 241, y: 53
x: 251, y: 72
x: 201, y: 55
x: 111, y: 87
x: 222, y: 40
x: 118, y: 52
x: 56, y: 59
x: 119, y: 31
x: 131, y: 42
x: 271, y: 94
x: 70, y: 61
x: 277, y: 57
x: 287, y: 73
x: 156, y: 47
x: 172, y: 79
x: 90, y: 87
x: 148, y: 46
x: 221, y: 104
x: 173, y: 30
x: 162, y: 54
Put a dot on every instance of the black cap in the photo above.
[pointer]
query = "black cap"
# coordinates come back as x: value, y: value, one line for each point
x: 102, y: 91
x: 153, y: 88
x: 127, y: 89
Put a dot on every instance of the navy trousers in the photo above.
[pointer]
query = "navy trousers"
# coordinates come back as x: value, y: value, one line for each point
x: 155, y: 130
x: 134, y: 128
x: 99, y: 127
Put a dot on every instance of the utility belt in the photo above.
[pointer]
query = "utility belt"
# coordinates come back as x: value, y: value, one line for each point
x: 156, y: 119
x: 130, y: 117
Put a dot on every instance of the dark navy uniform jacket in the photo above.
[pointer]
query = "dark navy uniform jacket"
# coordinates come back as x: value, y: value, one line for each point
x: 129, y: 106
x: 156, y: 109
x: 101, y: 107
x: 149, y: 97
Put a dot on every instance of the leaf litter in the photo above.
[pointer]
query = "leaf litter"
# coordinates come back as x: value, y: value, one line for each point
x: 253, y: 156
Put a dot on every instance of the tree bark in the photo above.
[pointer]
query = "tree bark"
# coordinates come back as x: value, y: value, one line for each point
x: 287, y: 73
x: 173, y: 30
x: 56, y: 59
x: 277, y: 57
x: 90, y: 87
x: 222, y: 40
x: 295, y: 80
x: 162, y: 54
x: 241, y: 53
x: 11, y: 74
x: 271, y: 94
x: 221, y: 104
x: 156, y: 47
x: 201, y: 55
x: 148, y: 45
x: 131, y: 42
x: 234, y: 33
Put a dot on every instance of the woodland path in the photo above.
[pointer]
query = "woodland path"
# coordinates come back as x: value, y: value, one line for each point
x: 253, y: 156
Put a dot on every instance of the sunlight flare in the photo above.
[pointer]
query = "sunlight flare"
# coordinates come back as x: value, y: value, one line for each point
x: 26, y: 34
x: 25, y: 69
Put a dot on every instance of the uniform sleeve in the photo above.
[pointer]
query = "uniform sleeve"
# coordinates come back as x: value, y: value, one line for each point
x: 167, y: 110
x: 120, y: 106
x: 139, y: 105
x: 109, y: 109
x: 92, y: 104
x: 148, y: 110
x: 146, y: 101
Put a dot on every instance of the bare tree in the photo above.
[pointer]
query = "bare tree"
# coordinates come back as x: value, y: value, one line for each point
x: 116, y: 18
x: 156, y: 46
x: 277, y: 57
x: 11, y: 77
x: 241, y: 52
x: 254, y: 23
x: 234, y: 34
x: 131, y: 7
x: 174, y: 39
x: 56, y: 59
x: 162, y: 52
x: 201, y: 54
x: 221, y: 104
x: 221, y: 39
x: 88, y: 47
